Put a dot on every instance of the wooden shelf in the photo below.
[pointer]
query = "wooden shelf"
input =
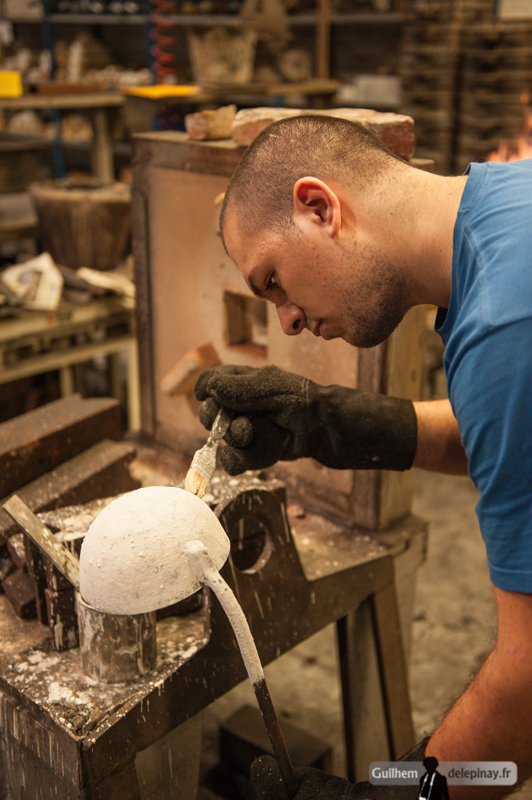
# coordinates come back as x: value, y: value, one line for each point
x: 310, y: 18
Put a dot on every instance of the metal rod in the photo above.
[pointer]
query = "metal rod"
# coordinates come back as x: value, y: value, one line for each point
x: 276, y: 737
x: 202, y: 565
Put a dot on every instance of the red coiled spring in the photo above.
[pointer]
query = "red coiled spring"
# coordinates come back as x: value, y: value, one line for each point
x: 163, y: 48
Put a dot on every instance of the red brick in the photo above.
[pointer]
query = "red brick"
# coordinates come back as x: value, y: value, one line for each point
x: 395, y: 130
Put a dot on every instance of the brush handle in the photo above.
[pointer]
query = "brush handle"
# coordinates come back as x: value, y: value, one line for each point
x: 219, y: 426
x: 201, y: 470
x: 206, y: 572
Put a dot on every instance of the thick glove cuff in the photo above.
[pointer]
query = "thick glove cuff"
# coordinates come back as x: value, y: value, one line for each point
x: 361, y: 430
x: 417, y: 753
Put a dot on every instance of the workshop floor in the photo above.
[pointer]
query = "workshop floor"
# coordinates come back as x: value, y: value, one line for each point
x: 453, y: 630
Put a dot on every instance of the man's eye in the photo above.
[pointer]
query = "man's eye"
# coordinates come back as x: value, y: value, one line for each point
x: 271, y: 283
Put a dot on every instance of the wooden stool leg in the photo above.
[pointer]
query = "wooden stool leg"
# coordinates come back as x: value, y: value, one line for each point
x: 366, y: 738
x: 377, y: 718
x: 393, y: 671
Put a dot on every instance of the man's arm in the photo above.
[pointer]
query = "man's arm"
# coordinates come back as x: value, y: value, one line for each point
x: 492, y: 720
x: 439, y: 446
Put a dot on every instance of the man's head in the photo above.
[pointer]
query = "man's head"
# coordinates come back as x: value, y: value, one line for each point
x: 329, y: 148
x: 294, y: 221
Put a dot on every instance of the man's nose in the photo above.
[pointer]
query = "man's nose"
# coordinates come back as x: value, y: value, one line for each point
x: 292, y: 318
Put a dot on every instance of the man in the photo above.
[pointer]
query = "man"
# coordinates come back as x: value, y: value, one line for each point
x: 432, y: 785
x: 344, y: 238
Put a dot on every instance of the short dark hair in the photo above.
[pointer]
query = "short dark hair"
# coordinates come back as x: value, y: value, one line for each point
x: 328, y: 148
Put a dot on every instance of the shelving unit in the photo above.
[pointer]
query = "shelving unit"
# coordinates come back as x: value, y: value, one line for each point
x: 314, y: 30
x: 308, y: 18
x: 322, y: 19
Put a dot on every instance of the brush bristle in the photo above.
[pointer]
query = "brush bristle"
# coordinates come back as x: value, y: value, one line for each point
x: 196, y: 483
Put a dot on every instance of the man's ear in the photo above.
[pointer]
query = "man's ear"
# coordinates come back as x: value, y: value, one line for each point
x: 316, y: 203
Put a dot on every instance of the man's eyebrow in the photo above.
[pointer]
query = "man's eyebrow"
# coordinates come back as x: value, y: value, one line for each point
x: 253, y: 283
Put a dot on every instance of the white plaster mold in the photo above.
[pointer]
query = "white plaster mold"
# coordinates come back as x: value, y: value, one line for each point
x: 134, y: 556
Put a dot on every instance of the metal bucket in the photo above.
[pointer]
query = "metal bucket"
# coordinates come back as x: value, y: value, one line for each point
x: 116, y: 648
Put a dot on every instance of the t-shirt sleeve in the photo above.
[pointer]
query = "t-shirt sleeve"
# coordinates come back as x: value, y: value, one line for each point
x: 491, y: 397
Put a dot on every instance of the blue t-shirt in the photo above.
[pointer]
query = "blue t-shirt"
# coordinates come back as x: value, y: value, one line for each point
x: 487, y: 331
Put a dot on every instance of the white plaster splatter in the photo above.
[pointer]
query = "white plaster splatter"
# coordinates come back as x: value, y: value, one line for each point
x: 58, y: 693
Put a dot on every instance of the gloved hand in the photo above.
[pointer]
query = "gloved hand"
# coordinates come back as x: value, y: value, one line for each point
x: 317, y: 785
x: 313, y: 783
x: 281, y: 416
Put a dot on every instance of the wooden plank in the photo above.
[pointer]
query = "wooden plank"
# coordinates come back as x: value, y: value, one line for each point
x: 70, y: 101
x: 323, y: 39
x: 100, y: 471
x: 57, y: 552
x: 41, y: 439
x: 64, y: 357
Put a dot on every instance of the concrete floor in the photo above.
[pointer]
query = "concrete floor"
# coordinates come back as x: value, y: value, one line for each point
x: 453, y: 630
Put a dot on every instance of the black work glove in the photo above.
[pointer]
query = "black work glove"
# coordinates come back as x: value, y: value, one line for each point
x: 280, y: 416
x: 317, y: 785
x: 313, y: 783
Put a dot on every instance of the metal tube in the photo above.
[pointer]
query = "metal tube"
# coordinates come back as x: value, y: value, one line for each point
x: 203, y: 567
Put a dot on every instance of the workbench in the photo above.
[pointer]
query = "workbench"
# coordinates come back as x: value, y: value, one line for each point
x: 82, y: 740
x: 101, y: 107
x: 37, y: 342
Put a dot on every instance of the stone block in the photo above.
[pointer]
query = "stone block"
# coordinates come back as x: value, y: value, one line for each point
x: 249, y: 122
x: 210, y: 124
x: 395, y: 130
x: 16, y: 549
x: 19, y: 590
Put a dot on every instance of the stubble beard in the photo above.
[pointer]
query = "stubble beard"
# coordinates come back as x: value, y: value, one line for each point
x: 381, y: 301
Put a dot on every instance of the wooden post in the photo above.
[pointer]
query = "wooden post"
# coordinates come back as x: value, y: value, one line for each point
x: 323, y: 39
x: 102, y: 159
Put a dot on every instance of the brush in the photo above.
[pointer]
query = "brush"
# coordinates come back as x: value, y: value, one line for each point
x: 203, y: 464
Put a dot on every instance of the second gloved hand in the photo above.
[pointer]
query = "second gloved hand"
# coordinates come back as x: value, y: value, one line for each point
x: 280, y: 416
x: 313, y: 784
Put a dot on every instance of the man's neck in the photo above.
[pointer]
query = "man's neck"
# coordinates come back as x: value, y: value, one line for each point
x: 440, y: 201
x: 419, y: 233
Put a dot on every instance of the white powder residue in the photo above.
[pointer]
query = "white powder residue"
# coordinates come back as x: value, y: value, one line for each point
x: 58, y: 693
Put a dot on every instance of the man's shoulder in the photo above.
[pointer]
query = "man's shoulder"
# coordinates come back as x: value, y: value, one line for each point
x: 493, y: 262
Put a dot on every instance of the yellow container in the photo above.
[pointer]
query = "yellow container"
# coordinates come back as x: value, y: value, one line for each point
x: 10, y: 83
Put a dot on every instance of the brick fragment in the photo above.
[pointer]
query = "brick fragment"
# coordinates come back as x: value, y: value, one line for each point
x: 249, y: 122
x: 19, y: 590
x: 395, y: 130
x: 6, y: 565
x: 210, y: 124
x: 15, y: 546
